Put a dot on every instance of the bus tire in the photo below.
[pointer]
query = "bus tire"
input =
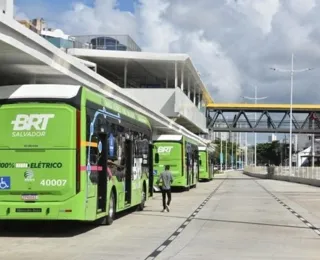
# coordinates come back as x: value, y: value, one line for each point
x: 112, y: 209
x: 143, y: 198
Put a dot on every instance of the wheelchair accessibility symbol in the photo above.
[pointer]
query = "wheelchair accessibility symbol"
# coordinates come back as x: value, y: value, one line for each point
x: 5, y: 183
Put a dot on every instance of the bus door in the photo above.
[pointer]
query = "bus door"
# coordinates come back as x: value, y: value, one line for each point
x: 188, y: 168
x: 128, y: 171
x: 198, y: 164
x: 150, y: 164
x: 192, y: 166
x: 102, y: 176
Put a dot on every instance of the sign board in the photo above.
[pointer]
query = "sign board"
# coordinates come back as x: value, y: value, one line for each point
x: 294, y: 158
x: 221, y: 157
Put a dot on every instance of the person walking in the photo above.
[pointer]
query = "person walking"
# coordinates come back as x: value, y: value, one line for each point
x: 166, y: 180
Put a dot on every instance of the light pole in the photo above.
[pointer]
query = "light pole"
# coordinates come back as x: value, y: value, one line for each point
x: 226, y: 166
x: 291, y: 97
x: 255, y: 98
x: 232, y: 137
x: 221, y: 154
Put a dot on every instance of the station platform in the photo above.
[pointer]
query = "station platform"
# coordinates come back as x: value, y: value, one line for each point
x: 245, y: 219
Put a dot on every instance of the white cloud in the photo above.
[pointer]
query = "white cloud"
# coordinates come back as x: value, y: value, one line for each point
x: 103, y: 18
x: 19, y: 14
x: 248, y: 35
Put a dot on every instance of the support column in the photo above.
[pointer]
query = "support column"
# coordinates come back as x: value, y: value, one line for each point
x: 7, y: 7
x: 189, y: 92
x: 125, y: 74
x: 167, y: 78
x: 175, y: 74
x: 194, y: 94
x: 182, y: 77
x: 199, y: 101
x: 33, y: 80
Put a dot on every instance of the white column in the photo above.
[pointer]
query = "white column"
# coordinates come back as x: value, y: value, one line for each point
x: 312, y: 146
x: 33, y: 80
x: 189, y: 92
x: 175, y: 74
x: 246, y: 151
x: 167, y: 79
x: 182, y: 77
x: 194, y: 94
x: 125, y: 74
x: 6, y: 7
x: 199, y: 101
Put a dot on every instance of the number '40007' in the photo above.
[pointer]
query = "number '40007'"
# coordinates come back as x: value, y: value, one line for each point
x: 53, y: 182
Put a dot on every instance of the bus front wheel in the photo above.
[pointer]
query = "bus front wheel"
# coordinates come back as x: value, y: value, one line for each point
x: 143, y: 198
x: 108, y: 220
x: 112, y: 209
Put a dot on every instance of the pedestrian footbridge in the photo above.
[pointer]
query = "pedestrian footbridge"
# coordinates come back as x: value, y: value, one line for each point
x: 263, y: 118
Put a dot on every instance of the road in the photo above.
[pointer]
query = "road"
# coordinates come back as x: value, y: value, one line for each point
x: 232, y: 217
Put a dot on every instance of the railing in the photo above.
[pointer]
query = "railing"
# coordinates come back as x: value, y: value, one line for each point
x: 300, y: 172
x: 105, y: 42
x: 304, y: 175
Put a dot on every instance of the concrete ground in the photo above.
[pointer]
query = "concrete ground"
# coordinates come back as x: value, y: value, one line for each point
x: 244, y: 218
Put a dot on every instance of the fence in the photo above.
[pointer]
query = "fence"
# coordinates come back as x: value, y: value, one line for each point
x: 304, y: 175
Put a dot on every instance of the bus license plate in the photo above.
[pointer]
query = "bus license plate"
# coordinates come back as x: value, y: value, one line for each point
x: 28, y: 197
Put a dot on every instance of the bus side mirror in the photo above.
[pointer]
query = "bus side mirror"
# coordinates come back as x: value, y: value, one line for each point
x: 156, y: 158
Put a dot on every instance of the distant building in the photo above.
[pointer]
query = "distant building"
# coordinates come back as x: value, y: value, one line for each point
x: 272, y: 138
x: 35, y: 25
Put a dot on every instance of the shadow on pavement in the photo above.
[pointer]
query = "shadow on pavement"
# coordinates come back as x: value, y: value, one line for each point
x: 43, y: 228
x: 51, y: 228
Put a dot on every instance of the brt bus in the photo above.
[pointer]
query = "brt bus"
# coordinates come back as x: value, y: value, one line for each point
x: 181, y: 154
x: 69, y: 153
x: 206, y: 155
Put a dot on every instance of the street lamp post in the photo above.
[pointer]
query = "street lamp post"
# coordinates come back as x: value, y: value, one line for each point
x: 232, y: 160
x: 221, y: 154
x: 292, y: 71
x: 255, y: 98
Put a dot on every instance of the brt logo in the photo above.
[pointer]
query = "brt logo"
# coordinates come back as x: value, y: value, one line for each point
x: 165, y: 149
x: 33, y: 125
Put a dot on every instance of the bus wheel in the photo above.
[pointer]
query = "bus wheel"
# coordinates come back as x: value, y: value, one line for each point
x: 112, y: 209
x: 108, y: 220
x: 143, y: 199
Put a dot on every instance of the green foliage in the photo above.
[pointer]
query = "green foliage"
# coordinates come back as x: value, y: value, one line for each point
x: 271, y: 153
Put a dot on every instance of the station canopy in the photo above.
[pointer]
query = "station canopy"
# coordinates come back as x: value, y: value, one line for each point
x: 136, y: 69
x: 27, y: 58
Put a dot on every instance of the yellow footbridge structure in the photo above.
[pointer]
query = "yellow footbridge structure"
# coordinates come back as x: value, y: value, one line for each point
x: 263, y: 118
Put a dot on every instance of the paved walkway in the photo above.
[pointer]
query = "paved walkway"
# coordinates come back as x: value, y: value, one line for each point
x: 243, y: 219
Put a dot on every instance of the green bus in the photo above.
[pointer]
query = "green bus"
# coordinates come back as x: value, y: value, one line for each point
x: 206, y: 155
x: 70, y: 153
x: 181, y: 154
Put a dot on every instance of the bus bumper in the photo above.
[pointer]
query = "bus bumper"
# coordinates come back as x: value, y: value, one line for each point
x: 72, y: 209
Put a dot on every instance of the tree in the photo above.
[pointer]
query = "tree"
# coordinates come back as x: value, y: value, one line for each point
x: 269, y: 153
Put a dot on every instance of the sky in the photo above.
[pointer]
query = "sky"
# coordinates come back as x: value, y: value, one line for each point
x: 233, y: 43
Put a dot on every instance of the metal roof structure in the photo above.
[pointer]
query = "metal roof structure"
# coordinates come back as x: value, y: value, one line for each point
x: 25, y: 57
